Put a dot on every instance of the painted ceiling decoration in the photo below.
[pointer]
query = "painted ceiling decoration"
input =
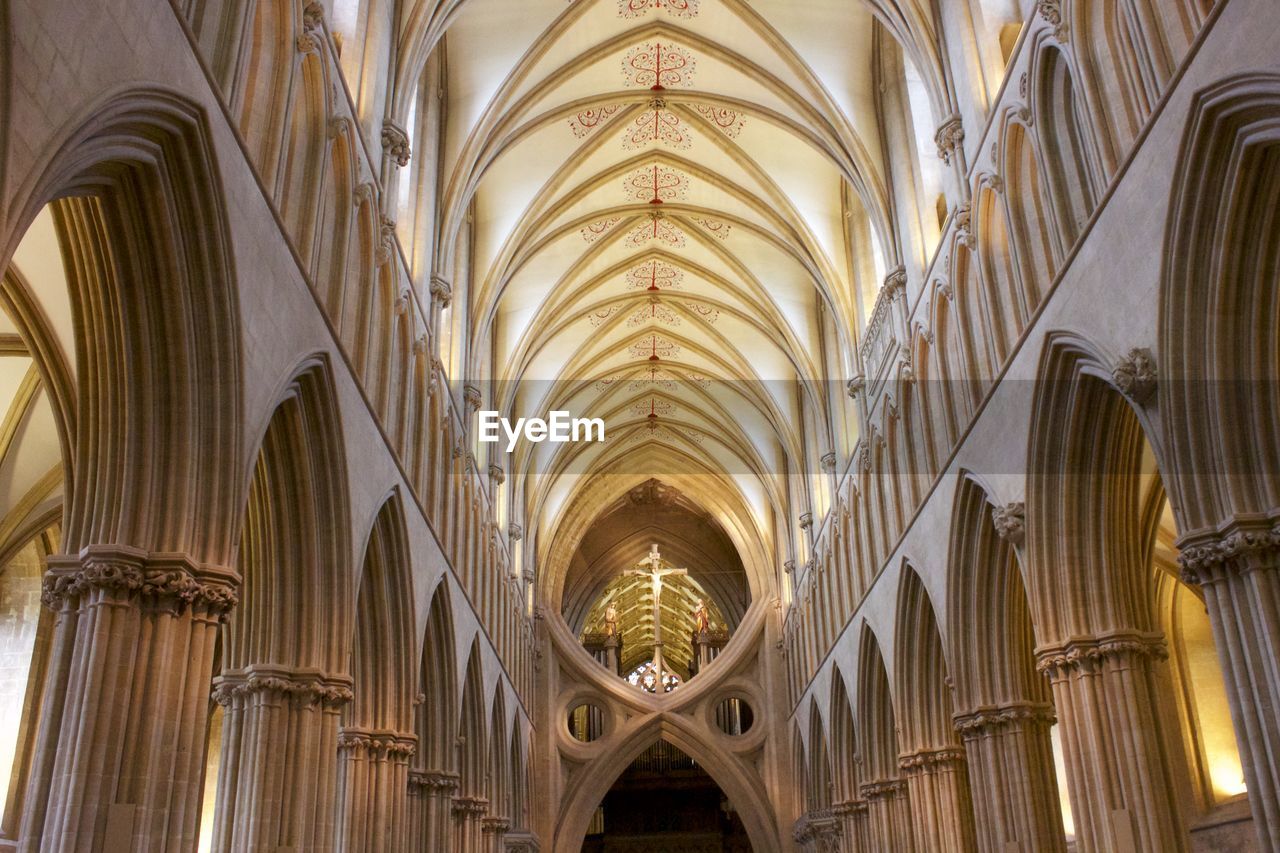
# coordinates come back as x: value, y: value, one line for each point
x: 673, y: 208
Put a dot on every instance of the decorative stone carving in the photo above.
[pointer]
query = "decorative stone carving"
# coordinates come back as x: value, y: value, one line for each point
x: 884, y: 789
x: 465, y: 807
x: 927, y: 759
x: 789, y: 567
x: 395, y: 142
x: 497, y: 474
x: 441, y: 291
x: 472, y: 398
x: 1051, y: 11
x: 949, y: 138
x: 162, y: 581
x: 308, y: 689
x: 313, y: 15
x: 432, y: 782
x: 378, y: 744
x: 1210, y: 559
x: 856, y: 386
x: 515, y: 532
x: 421, y: 344
x: 1092, y: 652
x: 806, y: 521
x: 829, y: 462
x: 1010, y: 522
x: 964, y: 225
x: 495, y: 825
x: 386, y: 240
x: 994, y: 720
x: 1135, y: 375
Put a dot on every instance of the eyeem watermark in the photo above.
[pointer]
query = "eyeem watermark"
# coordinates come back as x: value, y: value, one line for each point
x: 561, y: 428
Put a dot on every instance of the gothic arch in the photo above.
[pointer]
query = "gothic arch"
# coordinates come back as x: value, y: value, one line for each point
x: 1218, y: 345
x: 1066, y: 145
x: 884, y: 789
x: 583, y: 795
x: 931, y: 754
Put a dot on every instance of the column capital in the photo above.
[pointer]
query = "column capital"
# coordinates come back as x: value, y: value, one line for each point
x: 883, y: 789
x: 395, y: 142
x: 306, y: 687
x: 1215, y: 555
x: 1010, y: 522
x: 377, y: 743
x: 494, y: 825
x: 433, y: 782
x: 949, y: 137
x: 1087, y: 654
x: 470, y: 807
x: 998, y: 719
x: 161, y: 580
x: 441, y: 291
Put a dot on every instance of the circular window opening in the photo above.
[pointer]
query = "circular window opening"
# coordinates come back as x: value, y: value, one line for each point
x: 586, y: 723
x: 734, y: 716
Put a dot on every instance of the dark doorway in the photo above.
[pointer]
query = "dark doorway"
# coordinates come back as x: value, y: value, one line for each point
x: 665, y: 802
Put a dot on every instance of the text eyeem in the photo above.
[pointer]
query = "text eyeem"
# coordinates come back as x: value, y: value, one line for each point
x: 560, y: 428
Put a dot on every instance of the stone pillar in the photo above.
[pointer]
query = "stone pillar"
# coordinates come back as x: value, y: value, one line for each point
x: 430, y: 805
x: 493, y: 830
x: 1123, y: 794
x: 468, y: 812
x: 373, y: 769
x: 938, y: 786
x: 818, y: 831
x: 1012, y: 778
x: 1240, y: 575
x: 119, y: 760
x: 888, y: 816
x: 852, y: 815
x: 278, y: 774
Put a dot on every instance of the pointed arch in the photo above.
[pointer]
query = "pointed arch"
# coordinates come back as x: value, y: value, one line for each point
x: 1066, y: 142
x: 438, y: 697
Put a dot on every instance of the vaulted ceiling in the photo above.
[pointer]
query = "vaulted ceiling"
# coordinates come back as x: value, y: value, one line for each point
x: 669, y: 211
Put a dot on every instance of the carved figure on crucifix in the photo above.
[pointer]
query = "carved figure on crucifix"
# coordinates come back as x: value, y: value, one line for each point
x: 655, y: 568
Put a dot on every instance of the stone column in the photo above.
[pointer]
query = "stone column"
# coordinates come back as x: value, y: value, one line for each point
x: 818, y: 831
x: 278, y: 774
x: 1012, y: 778
x: 852, y: 815
x: 1123, y: 794
x: 120, y: 756
x: 373, y: 769
x: 468, y: 812
x: 888, y: 816
x: 938, y: 786
x: 494, y: 832
x: 430, y: 805
x: 1240, y: 575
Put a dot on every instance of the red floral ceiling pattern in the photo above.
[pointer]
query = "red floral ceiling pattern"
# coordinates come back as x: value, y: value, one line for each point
x: 657, y: 184
x: 675, y: 8
x: 729, y: 122
x: 654, y: 348
x: 595, y: 230
x: 655, y: 275
x: 589, y: 119
x: 656, y: 229
x: 657, y: 124
x: 657, y: 66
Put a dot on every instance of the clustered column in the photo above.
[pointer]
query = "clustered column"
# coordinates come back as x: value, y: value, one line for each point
x: 938, y: 789
x: 888, y: 815
x: 1010, y: 758
x: 852, y: 815
x: 374, y: 767
x: 1123, y: 793
x: 468, y: 812
x: 277, y: 780
x: 120, y: 755
x: 1240, y: 575
x: 430, y: 808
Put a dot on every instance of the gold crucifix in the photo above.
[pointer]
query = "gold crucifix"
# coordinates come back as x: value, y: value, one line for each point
x: 654, y: 567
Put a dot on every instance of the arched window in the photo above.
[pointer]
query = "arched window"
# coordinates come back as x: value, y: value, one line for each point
x: 928, y: 165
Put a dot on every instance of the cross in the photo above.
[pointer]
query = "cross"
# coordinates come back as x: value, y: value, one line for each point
x: 656, y: 571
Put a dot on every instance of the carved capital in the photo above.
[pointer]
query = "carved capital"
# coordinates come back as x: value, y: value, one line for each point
x: 472, y: 398
x: 1243, y: 547
x: 1051, y: 11
x: 441, y: 291
x: 470, y: 807
x: 998, y: 719
x: 1010, y: 522
x: 495, y: 825
x: 964, y: 225
x: 1135, y: 375
x: 272, y: 684
x: 159, y: 581
x: 930, y: 760
x: 377, y: 745
x: 386, y: 240
x: 789, y: 567
x: 515, y: 532
x: 855, y: 386
x: 1084, y: 655
x: 829, y: 462
x: 884, y: 789
x: 895, y: 283
x: 395, y: 143
x: 496, y: 473
x: 949, y: 138
x: 432, y: 782
x: 806, y: 521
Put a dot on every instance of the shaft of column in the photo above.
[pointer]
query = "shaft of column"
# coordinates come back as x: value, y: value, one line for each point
x: 467, y: 814
x: 938, y: 786
x: 1240, y: 576
x: 853, y: 826
x: 1123, y: 794
x: 373, y: 773
x: 888, y: 816
x: 494, y: 829
x: 277, y: 777
x: 1011, y: 777
x: 120, y: 758
x: 430, y: 803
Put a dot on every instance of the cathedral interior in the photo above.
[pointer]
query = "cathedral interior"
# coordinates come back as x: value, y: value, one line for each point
x: 937, y: 344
